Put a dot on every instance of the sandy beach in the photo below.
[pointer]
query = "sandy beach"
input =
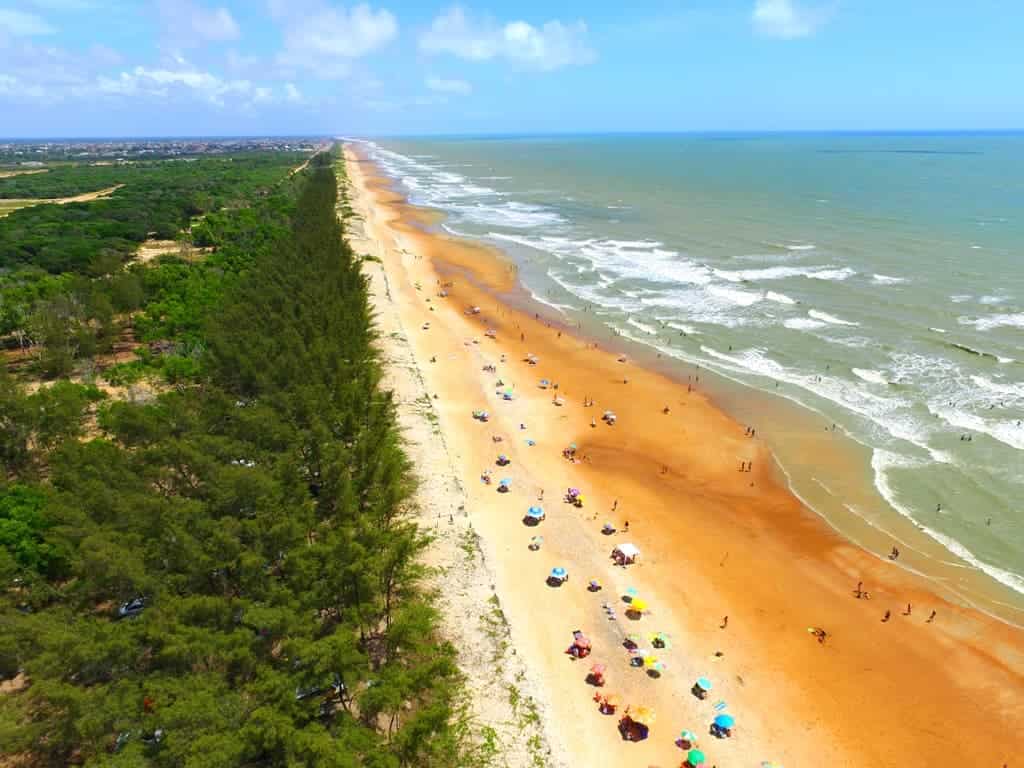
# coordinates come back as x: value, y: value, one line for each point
x: 715, y: 542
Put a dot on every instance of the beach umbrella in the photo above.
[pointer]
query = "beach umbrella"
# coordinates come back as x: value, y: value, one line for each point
x: 536, y: 541
x: 695, y: 757
x: 689, y: 736
x: 502, y: 457
x: 725, y: 721
x: 651, y: 662
x: 612, y: 700
x: 572, y: 446
x: 505, y: 481
x: 597, y: 669
x: 634, y: 638
x: 535, y: 512
x: 632, y: 591
x: 558, y: 572
x: 638, y: 605
x: 643, y: 715
x: 704, y: 684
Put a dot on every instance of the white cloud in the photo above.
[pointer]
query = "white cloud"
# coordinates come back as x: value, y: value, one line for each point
x: 550, y: 46
x: 785, y: 20
x: 187, y: 23
x: 448, y: 86
x: 325, y: 39
x: 162, y: 83
x: 292, y: 94
x: 21, y: 24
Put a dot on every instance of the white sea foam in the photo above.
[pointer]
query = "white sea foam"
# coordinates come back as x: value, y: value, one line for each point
x: 992, y: 300
x: 960, y: 298
x: 882, y: 462
x: 887, y: 280
x: 802, y: 324
x: 1006, y: 432
x: 781, y: 273
x: 738, y: 297
x: 642, y: 326
x: 833, y: 274
x: 888, y: 413
x: 938, y: 330
x: 1014, y: 389
x: 874, y: 377
x: 794, y: 246
x: 779, y: 298
x: 988, y: 322
x: 825, y: 317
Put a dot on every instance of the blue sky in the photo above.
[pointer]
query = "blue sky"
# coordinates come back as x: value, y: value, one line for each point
x: 200, y: 67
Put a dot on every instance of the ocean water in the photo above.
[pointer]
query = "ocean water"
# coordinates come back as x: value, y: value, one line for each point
x: 875, y: 280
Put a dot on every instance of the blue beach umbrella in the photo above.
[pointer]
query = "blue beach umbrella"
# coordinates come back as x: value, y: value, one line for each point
x: 505, y: 481
x: 725, y: 721
x: 535, y: 512
x: 704, y: 684
x: 558, y: 573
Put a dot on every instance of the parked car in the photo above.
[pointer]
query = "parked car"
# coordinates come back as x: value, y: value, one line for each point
x: 132, y: 608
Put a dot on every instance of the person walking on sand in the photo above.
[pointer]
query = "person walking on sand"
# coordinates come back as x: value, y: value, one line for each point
x: 859, y: 592
x: 615, y: 505
x: 625, y: 526
x: 886, y: 617
x: 931, y: 618
x: 894, y: 554
x: 907, y: 612
x: 725, y: 622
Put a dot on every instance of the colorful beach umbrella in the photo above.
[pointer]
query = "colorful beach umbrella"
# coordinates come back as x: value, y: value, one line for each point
x: 535, y: 512
x: 638, y: 605
x: 505, y: 481
x: 558, y: 573
x: 725, y: 721
x: 632, y: 591
x: 643, y: 715
x: 688, y: 736
x: 695, y: 757
x: 704, y: 684
x: 597, y: 669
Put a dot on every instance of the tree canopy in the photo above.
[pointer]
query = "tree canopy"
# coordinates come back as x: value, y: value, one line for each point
x: 226, y: 574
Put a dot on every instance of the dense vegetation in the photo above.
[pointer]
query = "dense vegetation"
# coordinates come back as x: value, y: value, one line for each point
x: 158, y: 200
x: 254, y: 513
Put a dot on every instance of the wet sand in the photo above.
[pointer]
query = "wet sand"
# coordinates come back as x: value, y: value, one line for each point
x: 715, y: 541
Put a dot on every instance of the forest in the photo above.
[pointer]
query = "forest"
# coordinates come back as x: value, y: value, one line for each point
x: 157, y: 200
x: 224, y: 573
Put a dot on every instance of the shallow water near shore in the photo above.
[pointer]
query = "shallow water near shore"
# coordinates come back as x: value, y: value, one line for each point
x: 871, y: 282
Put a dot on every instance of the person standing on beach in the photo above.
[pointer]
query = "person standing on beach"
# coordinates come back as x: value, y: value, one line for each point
x: 886, y: 617
x: 725, y: 622
x: 894, y: 554
x: 907, y: 612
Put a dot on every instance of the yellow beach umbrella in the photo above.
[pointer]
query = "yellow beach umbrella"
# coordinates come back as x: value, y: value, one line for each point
x: 638, y: 605
x: 643, y: 715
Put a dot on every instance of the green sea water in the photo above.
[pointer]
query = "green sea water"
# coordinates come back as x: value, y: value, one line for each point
x: 876, y: 281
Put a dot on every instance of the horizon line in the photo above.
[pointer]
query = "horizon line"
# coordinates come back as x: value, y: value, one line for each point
x: 672, y: 132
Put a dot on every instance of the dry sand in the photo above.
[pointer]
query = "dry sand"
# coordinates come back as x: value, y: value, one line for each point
x: 715, y: 542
